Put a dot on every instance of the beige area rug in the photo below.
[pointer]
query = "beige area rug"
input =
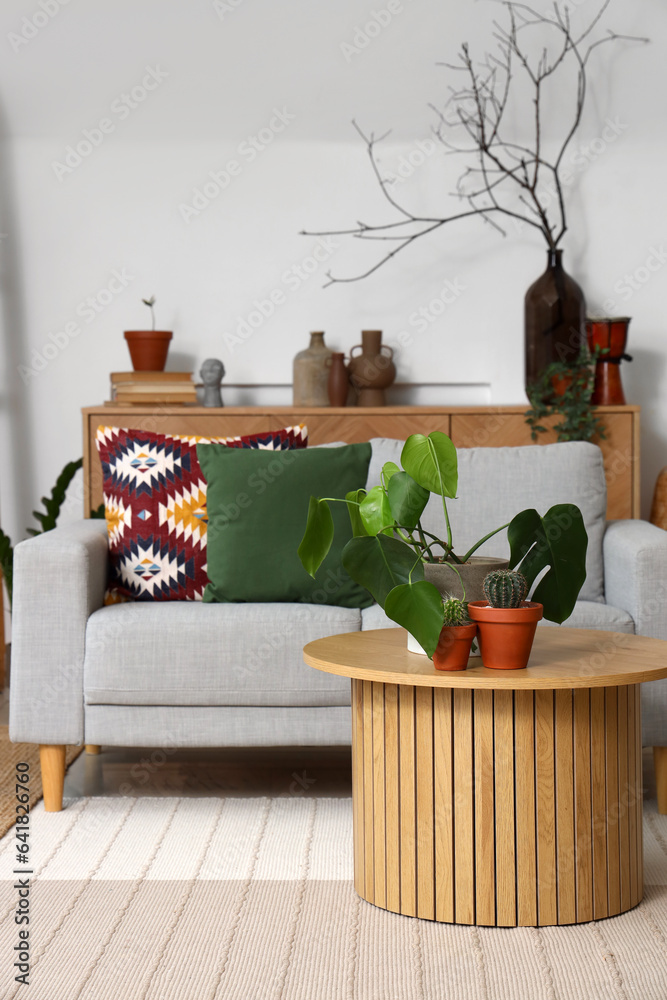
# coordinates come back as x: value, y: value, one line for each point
x: 195, y: 899
x: 10, y: 755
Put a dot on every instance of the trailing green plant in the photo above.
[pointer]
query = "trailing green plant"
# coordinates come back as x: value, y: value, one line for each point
x: 46, y: 519
x: 7, y: 562
x: 53, y: 504
x: 565, y: 390
x: 455, y: 612
x: 505, y: 588
x: 390, y: 546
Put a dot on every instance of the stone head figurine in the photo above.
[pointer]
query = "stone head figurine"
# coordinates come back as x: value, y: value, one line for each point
x: 212, y: 373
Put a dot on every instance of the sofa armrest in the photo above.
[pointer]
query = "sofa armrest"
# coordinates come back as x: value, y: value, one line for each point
x: 635, y: 574
x: 59, y: 580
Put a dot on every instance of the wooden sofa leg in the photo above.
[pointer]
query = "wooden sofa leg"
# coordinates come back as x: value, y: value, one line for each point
x: 92, y: 748
x: 52, y: 760
x: 660, y: 767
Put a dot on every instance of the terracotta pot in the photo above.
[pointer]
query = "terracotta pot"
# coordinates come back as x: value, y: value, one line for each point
x: 472, y: 574
x: 505, y: 635
x: 338, y: 385
x: 453, y: 648
x: 148, y: 349
x: 373, y: 371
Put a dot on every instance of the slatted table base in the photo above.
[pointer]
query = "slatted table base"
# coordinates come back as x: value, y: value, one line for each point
x: 497, y: 808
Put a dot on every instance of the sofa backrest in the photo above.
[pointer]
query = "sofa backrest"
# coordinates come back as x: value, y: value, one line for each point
x: 496, y: 483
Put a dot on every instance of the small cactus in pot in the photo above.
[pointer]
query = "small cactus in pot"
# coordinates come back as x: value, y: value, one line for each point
x: 456, y: 637
x: 455, y: 612
x: 506, y: 624
x: 505, y: 588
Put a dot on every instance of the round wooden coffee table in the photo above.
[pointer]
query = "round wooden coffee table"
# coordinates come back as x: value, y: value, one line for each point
x: 498, y: 797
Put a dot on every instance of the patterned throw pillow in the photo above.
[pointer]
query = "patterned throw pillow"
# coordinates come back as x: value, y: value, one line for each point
x: 155, y: 508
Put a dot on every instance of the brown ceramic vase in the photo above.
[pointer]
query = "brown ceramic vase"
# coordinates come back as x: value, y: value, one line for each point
x: 338, y: 384
x: 373, y: 370
x: 555, y: 315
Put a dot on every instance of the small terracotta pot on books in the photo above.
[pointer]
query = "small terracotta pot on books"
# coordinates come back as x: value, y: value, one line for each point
x: 148, y: 349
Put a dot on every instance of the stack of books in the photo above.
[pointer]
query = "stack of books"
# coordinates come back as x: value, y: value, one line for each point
x: 152, y: 387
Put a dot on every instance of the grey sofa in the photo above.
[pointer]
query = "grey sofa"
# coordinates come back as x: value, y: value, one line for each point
x: 195, y: 675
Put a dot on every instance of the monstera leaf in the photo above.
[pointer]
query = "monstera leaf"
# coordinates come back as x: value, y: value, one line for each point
x: 353, y: 500
x: 407, y: 499
x: 557, y: 540
x: 418, y: 608
x: 432, y: 462
x: 380, y: 563
x: 376, y: 513
x: 317, y: 537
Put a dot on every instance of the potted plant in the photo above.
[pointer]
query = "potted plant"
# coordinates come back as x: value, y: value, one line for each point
x: 47, y: 520
x: 564, y: 389
x: 456, y: 636
x: 390, y: 550
x: 506, y: 621
x: 148, y: 348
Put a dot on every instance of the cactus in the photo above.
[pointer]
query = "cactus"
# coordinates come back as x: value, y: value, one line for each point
x: 505, y: 588
x: 456, y: 612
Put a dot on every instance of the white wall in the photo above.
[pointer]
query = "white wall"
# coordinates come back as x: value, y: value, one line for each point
x: 225, y: 67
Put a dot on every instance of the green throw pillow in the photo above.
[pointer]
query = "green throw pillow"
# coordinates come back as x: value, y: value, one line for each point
x: 257, y: 505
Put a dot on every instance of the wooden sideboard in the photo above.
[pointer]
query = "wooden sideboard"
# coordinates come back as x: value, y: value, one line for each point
x: 468, y: 427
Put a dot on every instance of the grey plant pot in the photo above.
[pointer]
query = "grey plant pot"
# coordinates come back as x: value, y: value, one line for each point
x: 471, y: 573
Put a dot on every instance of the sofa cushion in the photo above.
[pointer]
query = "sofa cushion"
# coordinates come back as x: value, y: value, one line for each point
x: 592, y: 614
x: 496, y: 483
x: 258, y: 509
x: 211, y: 654
x: 374, y: 617
x: 155, y: 507
x: 586, y: 614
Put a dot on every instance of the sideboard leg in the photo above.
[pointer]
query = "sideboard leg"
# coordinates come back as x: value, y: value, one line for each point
x: 52, y: 760
x: 660, y: 767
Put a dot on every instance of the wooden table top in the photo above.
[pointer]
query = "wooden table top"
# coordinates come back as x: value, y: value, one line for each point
x: 560, y: 658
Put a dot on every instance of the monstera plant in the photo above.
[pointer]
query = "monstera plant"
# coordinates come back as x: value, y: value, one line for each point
x: 390, y: 546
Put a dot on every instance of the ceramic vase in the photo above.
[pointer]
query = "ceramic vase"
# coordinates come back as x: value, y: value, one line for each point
x: 372, y: 371
x: 338, y: 384
x: 555, y: 316
x: 610, y: 335
x: 311, y: 373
